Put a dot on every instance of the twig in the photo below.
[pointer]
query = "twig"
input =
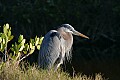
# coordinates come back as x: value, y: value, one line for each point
x: 105, y: 36
x: 24, y: 57
x: 5, y: 54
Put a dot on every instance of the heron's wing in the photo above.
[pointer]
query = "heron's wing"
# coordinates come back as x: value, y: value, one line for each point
x: 50, y: 49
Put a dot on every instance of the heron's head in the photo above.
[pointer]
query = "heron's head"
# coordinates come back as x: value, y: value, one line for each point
x: 70, y: 29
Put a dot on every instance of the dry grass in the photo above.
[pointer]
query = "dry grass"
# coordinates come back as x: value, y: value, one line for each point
x: 11, y: 72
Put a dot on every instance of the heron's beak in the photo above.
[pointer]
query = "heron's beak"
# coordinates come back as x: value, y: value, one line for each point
x: 80, y: 34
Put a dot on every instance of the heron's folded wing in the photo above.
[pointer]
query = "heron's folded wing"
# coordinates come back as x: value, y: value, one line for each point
x: 50, y: 49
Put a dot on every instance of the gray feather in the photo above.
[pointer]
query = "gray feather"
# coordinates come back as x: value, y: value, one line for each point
x: 50, y: 49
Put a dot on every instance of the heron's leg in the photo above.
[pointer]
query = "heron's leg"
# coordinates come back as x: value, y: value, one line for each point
x: 58, y: 64
x: 60, y: 60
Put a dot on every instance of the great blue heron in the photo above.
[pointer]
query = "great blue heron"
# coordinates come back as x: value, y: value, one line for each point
x: 56, y: 46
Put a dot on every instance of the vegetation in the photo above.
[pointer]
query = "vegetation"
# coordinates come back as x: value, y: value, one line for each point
x: 10, y: 72
x: 20, y: 50
x: 11, y: 69
x: 98, y: 19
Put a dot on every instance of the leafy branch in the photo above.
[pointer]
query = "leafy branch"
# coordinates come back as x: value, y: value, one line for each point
x: 20, y: 49
x: 5, y: 37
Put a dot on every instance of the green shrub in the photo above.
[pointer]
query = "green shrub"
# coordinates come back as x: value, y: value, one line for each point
x: 20, y: 49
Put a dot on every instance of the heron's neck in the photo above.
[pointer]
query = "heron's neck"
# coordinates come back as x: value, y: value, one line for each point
x: 68, y: 39
x: 66, y: 35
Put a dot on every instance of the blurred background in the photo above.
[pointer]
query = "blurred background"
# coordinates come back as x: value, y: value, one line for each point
x: 98, y: 19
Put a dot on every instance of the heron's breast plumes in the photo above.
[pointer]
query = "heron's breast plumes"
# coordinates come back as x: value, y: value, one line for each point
x: 68, y: 42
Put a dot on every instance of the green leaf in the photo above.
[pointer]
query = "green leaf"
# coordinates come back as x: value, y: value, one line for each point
x: 3, y: 41
x: 12, y: 45
x: 38, y: 47
x: 9, y: 32
x: 20, y: 38
x: 23, y: 42
x: 10, y: 38
x: 0, y: 39
x: 2, y: 47
x: 32, y: 50
x: 31, y: 45
x: 14, y: 57
x: 3, y: 36
x: 32, y: 41
x: 10, y: 54
x: 26, y: 47
x: 35, y: 38
x: 5, y: 28
x: 12, y: 49
x: 21, y: 48
x: 18, y: 55
x: 25, y: 52
x: 16, y: 48
x: 37, y: 41
x: 41, y: 39
x: 21, y: 45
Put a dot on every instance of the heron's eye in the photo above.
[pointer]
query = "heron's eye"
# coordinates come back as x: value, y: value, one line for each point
x: 68, y: 30
x: 71, y: 30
